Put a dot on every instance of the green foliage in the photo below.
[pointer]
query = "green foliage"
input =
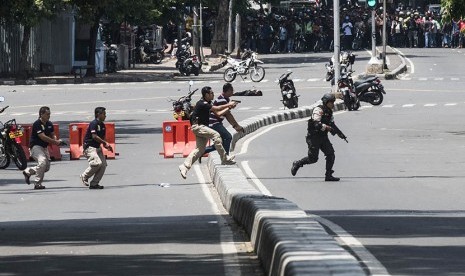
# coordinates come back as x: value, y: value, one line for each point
x: 29, y: 12
x: 453, y: 9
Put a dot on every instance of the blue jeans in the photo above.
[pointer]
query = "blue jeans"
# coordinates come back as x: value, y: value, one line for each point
x: 225, y: 136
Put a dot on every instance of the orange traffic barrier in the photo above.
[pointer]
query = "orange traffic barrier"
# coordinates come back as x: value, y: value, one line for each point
x: 54, y: 150
x: 77, y: 132
x: 178, y: 138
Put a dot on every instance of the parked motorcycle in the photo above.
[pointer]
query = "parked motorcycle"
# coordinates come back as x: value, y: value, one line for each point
x: 186, y: 62
x: 290, y: 98
x: 275, y: 45
x: 300, y: 43
x: 149, y: 54
x: 182, y: 107
x: 112, y: 59
x: 358, y: 39
x: 346, y: 60
x: 346, y: 88
x: 370, y: 90
x: 246, y: 65
x: 10, y: 143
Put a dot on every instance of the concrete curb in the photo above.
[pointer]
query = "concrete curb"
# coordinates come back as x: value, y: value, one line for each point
x: 157, y: 77
x: 285, y: 239
x: 399, y: 70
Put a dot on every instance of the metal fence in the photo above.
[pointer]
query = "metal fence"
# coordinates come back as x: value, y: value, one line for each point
x: 50, y: 46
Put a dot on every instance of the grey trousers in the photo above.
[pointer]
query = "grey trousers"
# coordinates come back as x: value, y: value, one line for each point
x: 202, y: 135
x: 42, y: 157
x: 97, y: 165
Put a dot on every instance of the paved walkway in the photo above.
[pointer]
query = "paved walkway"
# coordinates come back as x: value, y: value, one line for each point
x: 167, y: 70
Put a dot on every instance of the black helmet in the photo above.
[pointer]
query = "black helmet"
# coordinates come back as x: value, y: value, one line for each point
x: 328, y: 97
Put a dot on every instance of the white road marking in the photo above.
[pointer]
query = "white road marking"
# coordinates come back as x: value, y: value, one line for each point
x: 438, y: 79
x: 454, y: 79
x: 264, y: 80
x: 226, y: 241
x: 244, y: 108
x: 412, y: 66
x: 314, y: 79
x: 406, y: 78
x: 255, y: 180
x: 450, y: 104
x: 408, y: 105
x: 423, y: 79
x: 429, y: 105
x: 388, y: 105
x: 265, y: 108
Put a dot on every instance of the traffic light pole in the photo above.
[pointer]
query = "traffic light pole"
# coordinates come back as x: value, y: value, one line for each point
x: 337, y: 43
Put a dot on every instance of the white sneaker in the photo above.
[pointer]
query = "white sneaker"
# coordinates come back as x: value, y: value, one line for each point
x: 183, y: 170
x: 228, y: 162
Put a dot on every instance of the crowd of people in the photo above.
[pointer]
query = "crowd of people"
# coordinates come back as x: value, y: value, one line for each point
x: 405, y: 27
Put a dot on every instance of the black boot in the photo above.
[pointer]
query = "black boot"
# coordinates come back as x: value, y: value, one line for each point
x: 330, y: 177
x: 295, y: 167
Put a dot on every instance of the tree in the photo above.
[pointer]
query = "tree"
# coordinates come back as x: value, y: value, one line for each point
x: 453, y: 9
x: 28, y: 13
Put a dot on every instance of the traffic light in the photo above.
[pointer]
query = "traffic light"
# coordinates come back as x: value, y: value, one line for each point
x: 371, y: 4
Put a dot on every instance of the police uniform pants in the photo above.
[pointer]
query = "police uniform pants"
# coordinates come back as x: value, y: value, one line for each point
x: 202, y: 135
x: 42, y: 157
x: 97, y: 165
x: 315, y: 144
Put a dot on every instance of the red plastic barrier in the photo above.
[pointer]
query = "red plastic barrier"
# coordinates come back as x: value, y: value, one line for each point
x: 77, y: 131
x: 178, y: 138
x: 54, y: 150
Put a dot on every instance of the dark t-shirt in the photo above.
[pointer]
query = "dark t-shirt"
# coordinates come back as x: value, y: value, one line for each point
x: 95, y: 127
x: 201, y: 112
x: 37, y: 128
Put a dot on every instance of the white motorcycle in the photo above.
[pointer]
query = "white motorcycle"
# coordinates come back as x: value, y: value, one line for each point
x: 244, y: 66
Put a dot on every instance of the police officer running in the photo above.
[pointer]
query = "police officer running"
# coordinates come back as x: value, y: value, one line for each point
x: 94, y: 138
x: 199, y: 121
x: 321, y: 122
x: 216, y: 122
x: 42, y: 134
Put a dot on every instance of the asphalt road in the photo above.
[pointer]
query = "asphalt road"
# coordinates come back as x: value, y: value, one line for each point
x: 400, y: 198
x: 400, y: 193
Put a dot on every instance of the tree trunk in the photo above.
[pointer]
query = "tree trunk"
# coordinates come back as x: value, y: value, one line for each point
x: 23, y: 64
x: 220, y: 37
x: 93, y: 43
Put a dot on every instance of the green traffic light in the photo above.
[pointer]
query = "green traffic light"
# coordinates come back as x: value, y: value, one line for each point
x: 371, y: 3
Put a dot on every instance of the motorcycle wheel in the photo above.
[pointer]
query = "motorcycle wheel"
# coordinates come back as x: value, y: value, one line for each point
x: 156, y: 58
x: 18, y: 156
x: 4, y: 161
x: 229, y: 75
x: 298, y: 47
x: 189, y: 70
x: 274, y: 48
x: 356, y: 106
x: 377, y: 99
x: 196, y: 71
x: 257, y: 73
x: 295, y: 102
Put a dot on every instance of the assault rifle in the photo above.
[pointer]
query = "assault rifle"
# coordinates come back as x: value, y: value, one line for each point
x: 335, y: 130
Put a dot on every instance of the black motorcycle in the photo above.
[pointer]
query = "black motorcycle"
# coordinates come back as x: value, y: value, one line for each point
x: 182, y: 107
x: 290, y: 98
x: 10, y: 144
x: 112, y: 59
x: 345, y: 86
x: 146, y: 53
x: 186, y: 62
x: 370, y: 90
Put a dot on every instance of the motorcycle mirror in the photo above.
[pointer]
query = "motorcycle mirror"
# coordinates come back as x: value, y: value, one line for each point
x: 2, y: 99
x: 191, y: 82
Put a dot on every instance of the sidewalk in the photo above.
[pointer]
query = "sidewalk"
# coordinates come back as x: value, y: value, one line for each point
x: 167, y: 71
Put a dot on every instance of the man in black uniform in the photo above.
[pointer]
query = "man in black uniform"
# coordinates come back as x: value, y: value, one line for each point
x: 95, y: 137
x: 321, y: 122
x: 199, y: 121
x: 42, y: 135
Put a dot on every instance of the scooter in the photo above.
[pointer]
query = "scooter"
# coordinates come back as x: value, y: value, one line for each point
x: 346, y: 88
x: 370, y: 90
x: 112, y: 59
x: 290, y: 98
